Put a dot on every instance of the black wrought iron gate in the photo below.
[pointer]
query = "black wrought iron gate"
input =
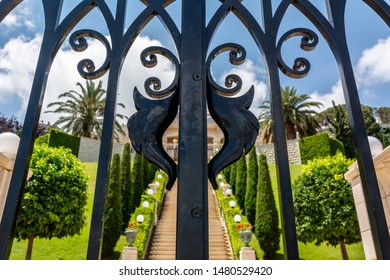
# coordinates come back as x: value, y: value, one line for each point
x: 192, y: 89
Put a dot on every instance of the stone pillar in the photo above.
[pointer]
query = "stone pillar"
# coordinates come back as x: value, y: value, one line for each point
x: 5, y: 178
x: 129, y: 253
x: 247, y: 253
x: 6, y: 166
x: 382, y: 169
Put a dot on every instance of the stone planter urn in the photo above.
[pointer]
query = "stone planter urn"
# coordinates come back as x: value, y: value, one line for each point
x: 131, y: 234
x: 246, y: 236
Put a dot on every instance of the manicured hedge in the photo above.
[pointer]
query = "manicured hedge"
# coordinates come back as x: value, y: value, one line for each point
x: 319, y: 145
x: 232, y: 226
x: 59, y: 138
x: 148, y: 213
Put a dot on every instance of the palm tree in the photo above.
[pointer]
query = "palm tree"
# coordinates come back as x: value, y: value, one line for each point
x: 83, y: 112
x: 298, y: 115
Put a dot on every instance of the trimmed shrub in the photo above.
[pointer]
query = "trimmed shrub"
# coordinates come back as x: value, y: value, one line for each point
x: 319, y: 145
x: 148, y: 213
x: 55, y: 196
x: 152, y: 169
x: 226, y: 171
x: 335, y: 146
x: 232, y: 226
x: 112, y: 211
x: 59, y: 138
x: 42, y: 140
x: 126, y: 188
x: 324, y: 206
x: 251, y: 187
x: 145, y: 172
x: 267, y: 220
x: 233, y: 175
x: 137, y: 180
x: 241, y: 182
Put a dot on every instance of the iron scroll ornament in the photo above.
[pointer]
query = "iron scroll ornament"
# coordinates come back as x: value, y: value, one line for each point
x: 301, y: 65
x: 147, y: 126
x: 240, y: 127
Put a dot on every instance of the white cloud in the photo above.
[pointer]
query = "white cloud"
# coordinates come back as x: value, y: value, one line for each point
x: 20, y: 17
x: 11, y: 20
x: 373, y: 66
x: 336, y: 94
x: 17, y: 63
x: 249, y: 73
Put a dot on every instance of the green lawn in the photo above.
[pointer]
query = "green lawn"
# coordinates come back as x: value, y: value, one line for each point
x: 75, y: 248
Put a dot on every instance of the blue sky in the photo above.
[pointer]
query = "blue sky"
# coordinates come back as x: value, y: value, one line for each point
x: 368, y: 38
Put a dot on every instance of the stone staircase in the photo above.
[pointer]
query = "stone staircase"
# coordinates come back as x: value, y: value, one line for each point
x: 164, y: 239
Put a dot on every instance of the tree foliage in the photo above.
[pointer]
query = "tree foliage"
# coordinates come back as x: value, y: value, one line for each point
x: 338, y: 119
x: 55, y: 196
x: 232, y: 177
x: 241, y: 182
x: 267, y: 220
x: 82, y: 113
x: 9, y: 124
x: 152, y: 169
x: 137, y: 180
x: 13, y: 125
x: 324, y: 206
x: 299, y: 115
x: 126, y: 188
x: 112, y: 211
x: 251, y: 187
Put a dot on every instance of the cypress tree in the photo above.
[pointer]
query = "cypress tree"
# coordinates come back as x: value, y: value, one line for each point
x: 226, y: 172
x: 251, y: 187
x: 267, y: 220
x: 241, y: 182
x: 127, y: 192
x: 113, y: 211
x: 137, y: 181
x: 152, y: 169
x: 232, y: 178
x: 145, y: 172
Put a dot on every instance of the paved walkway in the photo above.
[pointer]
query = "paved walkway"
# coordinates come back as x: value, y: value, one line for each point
x: 164, y: 239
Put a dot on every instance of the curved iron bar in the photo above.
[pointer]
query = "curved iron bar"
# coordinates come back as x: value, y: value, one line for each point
x: 301, y: 65
x: 333, y: 31
x: 242, y: 14
x: 381, y: 8
x: 7, y: 6
x: 170, y: 26
x: 86, y: 67
x: 240, y: 127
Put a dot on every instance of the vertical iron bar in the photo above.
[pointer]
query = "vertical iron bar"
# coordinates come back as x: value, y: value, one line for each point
x: 367, y: 173
x: 97, y: 221
x: 192, y: 202
x: 15, y: 194
x: 287, y: 215
x: 23, y: 157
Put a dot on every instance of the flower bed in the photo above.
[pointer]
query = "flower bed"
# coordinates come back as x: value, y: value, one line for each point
x: 148, y: 213
x: 234, y: 227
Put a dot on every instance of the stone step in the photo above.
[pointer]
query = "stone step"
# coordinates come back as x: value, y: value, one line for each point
x: 163, y: 245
